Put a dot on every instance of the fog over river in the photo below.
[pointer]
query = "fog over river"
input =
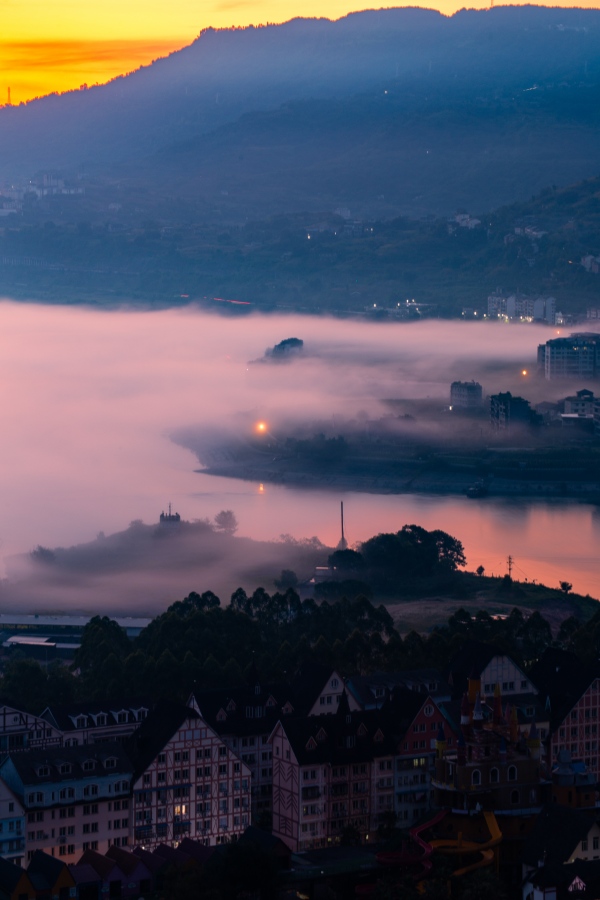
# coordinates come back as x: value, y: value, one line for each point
x: 90, y: 400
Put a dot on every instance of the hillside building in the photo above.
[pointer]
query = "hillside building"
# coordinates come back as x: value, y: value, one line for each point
x: 507, y: 412
x: 466, y: 394
x: 576, y: 356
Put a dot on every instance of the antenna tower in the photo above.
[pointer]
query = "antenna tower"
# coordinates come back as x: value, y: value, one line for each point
x: 509, y: 563
x: 343, y: 544
x: 8, y: 103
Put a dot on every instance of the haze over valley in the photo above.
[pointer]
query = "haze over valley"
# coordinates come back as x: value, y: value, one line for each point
x: 98, y: 403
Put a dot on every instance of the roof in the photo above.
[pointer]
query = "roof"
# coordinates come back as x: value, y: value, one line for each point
x: 45, y: 870
x: 127, y: 861
x: 370, y: 690
x: 200, y: 852
x: 561, y: 679
x: 173, y: 855
x: 556, y: 833
x: 153, y: 863
x: 156, y: 731
x: 10, y: 875
x: 83, y: 873
x: 472, y: 658
x: 566, y: 878
x: 50, y: 764
x: 349, y: 737
x: 308, y: 683
x: 64, y: 716
x: 226, y: 709
x: 102, y: 865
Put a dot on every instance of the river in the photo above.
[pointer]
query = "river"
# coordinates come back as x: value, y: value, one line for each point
x: 91, y: 399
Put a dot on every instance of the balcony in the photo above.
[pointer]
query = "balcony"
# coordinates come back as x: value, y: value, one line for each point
x: 311, y: 793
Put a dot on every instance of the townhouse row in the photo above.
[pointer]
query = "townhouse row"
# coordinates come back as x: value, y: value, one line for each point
x: 315, y: 758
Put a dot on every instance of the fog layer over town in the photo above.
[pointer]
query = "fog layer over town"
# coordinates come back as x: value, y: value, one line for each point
x: 92, y: 399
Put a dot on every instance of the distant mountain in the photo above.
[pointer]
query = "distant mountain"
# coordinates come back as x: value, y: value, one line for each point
x: 227, y: 74
x: 378, y: 155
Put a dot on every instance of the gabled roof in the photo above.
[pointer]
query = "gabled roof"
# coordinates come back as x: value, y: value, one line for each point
x: 472, y: 658
x: 153, y: 863
x: 308, y: 683
x: 173, y: 855
x: 233, y: 710
x: 351, y: 737
x: 127, y: 862
x: 84, y: 874
x: 32, y: 766
x: 102, y: 865
x: 556, y: 833
x: 156, y: 731
x: 200, y: 852
x: 567, y: 879
x: 64, y: 716
x: 561, y: 677
x: 370, y: 690
x: 10, y: 875
x: 45, y: 870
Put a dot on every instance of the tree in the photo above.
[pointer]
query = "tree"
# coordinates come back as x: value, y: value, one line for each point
x: 565, y: 587
x: 480, y: 570
x: 43, y: 555
x: 346, y: 561
x: 287, y: 579
x: 226, y: 522
x: 101, y: 637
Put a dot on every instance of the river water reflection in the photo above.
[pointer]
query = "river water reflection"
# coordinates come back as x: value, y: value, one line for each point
x: 549, y: 542
x: 90, y: 400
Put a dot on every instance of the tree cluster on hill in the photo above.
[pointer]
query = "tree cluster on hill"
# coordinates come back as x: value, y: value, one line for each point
x: 197, y: 643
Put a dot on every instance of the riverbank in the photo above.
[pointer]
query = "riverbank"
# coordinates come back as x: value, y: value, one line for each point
x: 403, y: 478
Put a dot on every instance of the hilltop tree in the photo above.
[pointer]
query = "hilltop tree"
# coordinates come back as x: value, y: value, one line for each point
x: 226, y: 522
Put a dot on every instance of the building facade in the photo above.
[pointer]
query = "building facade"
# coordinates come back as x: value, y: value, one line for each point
x: 70, y: 796
x: 187, y: 781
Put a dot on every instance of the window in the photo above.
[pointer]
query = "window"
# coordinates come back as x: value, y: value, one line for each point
x: 512, y: 773
x: 162, y: 758
x: 476, y: 777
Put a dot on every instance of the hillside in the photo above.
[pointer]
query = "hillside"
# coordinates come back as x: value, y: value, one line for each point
x: 226, y: 74
x: 343, y: 266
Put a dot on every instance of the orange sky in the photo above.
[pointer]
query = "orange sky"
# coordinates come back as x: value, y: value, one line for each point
x: 59, y: 45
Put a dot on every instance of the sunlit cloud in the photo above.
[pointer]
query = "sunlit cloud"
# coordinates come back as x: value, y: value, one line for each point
x: 35, y: 68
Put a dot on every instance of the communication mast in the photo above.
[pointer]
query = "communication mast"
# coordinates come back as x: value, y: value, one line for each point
x: 343, y: 543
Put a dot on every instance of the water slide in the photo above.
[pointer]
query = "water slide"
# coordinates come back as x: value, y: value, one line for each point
x: 460, y: 847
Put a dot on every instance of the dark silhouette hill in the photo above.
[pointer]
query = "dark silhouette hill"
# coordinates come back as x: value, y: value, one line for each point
x: 225, y: 74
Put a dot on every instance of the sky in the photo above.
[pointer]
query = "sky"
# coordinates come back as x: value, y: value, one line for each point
x: 58, y: 46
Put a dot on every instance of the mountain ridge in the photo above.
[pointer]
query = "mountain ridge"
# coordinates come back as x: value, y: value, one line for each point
x: 226, y: 73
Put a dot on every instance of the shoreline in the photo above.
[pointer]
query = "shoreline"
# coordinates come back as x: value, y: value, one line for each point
x: 450, y: 483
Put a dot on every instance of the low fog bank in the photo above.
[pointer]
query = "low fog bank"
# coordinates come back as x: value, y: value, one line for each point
x: 142, y: 570
x: 92, y: 401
